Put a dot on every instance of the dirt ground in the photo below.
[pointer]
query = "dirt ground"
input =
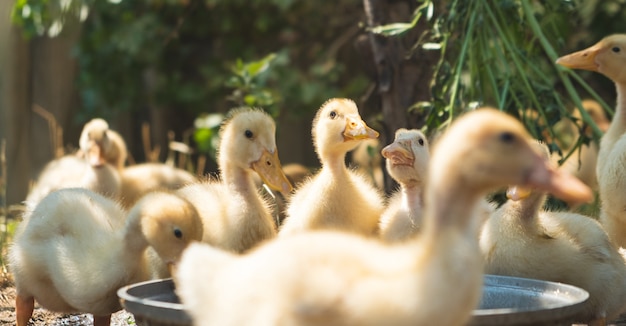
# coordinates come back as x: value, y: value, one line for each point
x: 43, y: 317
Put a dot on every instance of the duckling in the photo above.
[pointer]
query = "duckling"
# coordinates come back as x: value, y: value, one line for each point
x: 97, y: 136
x: 89, y: 169
x: 336, y: 197
x: 608, y: 57
x: 519, y: 238
x: 140, y: 179
x: 76, y: 248
x: 236, y: 217
x: 407, y: 162
x: 342, y: 278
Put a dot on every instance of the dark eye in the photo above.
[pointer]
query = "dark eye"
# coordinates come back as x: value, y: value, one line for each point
x: 248, y: 134
x: 615, y: 49
x: 507, y: 137
x: 421, y: 142
x: 333, y: 114
x: 178, y: 233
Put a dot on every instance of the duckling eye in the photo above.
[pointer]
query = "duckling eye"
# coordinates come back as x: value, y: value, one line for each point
x: 421, y: 142
x: 507, y: 137
x: 248, y: 134
x: 333, y: 114
x: 178, y: 233
x: 615, y: 49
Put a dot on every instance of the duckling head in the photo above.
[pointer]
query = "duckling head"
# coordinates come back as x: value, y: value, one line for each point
x: 248, y: 142
x: 492, y: 148
x: 607, y: 57
x: 93, y: 140
x: 597, y: 115
x: 338, y: 128
x: 407, y: 157
x: 169, y: 223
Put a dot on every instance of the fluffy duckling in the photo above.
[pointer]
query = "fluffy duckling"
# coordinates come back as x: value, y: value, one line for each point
x: 407, y: 162
x: 140, y: 179
x: 98, y: 142
x: 336, y: 197
x: 608, y: 57
x: 236, y: 217
x: 90, y: 169
x: 341, y: 278
x: 520, y: 238
x: 76, y: 249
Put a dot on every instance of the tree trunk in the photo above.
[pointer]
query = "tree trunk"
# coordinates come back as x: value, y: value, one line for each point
x: 402, y: 77
x: 15, y: 94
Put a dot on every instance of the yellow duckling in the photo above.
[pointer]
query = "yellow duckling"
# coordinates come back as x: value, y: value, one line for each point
x: 407, y: 162
x: 608, y: 57
x: 98, y: 142
x: 90, y: 169
x: 520, y: 239
x: 140, y: 179
x: 77, y: 248
x: 336, y: 197
x: 235, y: 216
x: 341, y: 278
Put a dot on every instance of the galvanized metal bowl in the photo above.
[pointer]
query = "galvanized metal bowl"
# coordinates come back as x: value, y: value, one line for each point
x: 505, y: 301
x: 154, y: 303
x: 521, y: 301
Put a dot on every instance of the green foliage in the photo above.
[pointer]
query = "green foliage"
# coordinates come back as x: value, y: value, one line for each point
x: 182, y: 54
x: 248, y: 81
x: 45, y: 17
x: 503, y: 58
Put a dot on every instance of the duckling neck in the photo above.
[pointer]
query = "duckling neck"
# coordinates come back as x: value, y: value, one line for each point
x: 530, y: 206
x: 523, y: 214
x: 450, y: 206
x: 135, y: 246
x: 618, y: 124
x: 239, y: 180
x: 335, y: 164
x: 412, y: 198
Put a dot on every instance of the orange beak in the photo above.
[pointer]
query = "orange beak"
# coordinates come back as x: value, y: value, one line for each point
x: 399, y: 153
x: 584, y: 59
x: 517, y: 193
x: 356, y: 129
x: 269, y: 169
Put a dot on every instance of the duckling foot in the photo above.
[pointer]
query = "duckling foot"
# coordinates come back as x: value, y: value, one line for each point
x: 102, y: 320
x: 24, y: 307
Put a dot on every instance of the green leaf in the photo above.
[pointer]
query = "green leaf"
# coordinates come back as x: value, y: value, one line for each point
x: 256, y: 67
x: 392, y: 29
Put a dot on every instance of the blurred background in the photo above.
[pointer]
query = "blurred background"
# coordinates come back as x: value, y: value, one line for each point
x: 164, y: 72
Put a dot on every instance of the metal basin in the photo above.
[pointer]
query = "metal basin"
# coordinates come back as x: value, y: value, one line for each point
x: 506, y: 301
x: 154, y: 303
x: 521, y: 301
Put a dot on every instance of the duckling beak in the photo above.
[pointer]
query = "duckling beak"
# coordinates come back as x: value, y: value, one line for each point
x: 269, y: 169
x: 399, y: 153
x: 584, y: 59
x: 559, y: 183
x: 517, y: 193
x: 356, y: 129
x: 94, y: 156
